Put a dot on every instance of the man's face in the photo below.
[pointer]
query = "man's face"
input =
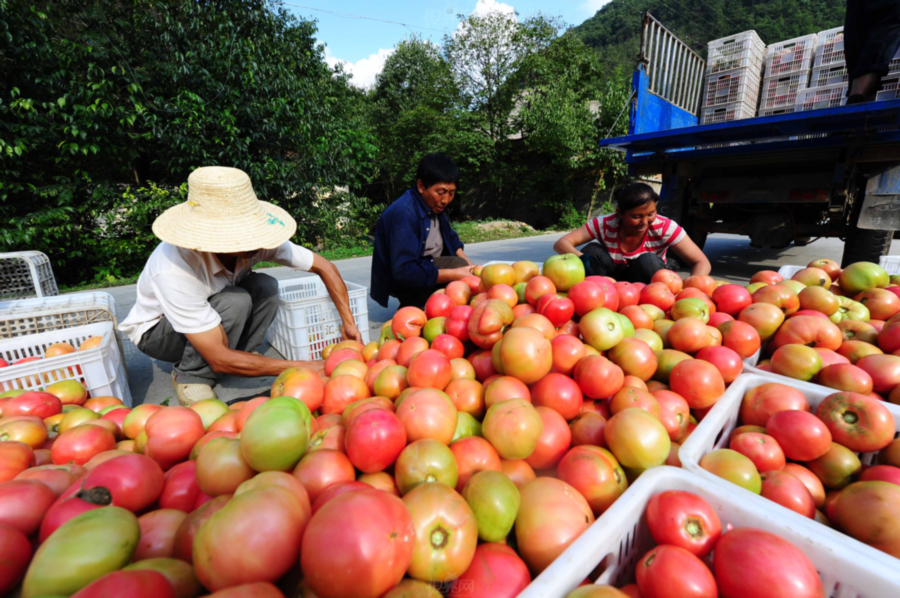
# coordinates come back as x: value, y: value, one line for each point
x: 438, y: 196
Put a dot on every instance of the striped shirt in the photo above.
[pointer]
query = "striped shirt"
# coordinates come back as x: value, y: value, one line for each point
x: 662, y: 234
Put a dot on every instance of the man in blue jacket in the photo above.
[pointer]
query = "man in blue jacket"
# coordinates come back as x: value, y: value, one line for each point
x: 416, y: 249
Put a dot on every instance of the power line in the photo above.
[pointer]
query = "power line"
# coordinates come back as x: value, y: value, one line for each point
x: 719, y: 12
x: 346, y: 15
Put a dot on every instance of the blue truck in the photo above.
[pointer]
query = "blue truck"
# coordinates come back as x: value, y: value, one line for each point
x: 780, y: 179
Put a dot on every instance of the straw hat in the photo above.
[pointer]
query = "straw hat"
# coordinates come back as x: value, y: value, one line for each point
x: 223, y: 215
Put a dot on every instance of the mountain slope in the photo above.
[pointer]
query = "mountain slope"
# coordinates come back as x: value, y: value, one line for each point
x: 615, y: 30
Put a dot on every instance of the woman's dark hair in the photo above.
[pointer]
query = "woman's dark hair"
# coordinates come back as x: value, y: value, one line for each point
x: 634, y: 195
x: 437, y: 168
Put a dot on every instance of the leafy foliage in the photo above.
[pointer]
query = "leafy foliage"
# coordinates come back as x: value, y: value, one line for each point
x: 615, y: 30
x: 106, y: 107
x: 518, y: 104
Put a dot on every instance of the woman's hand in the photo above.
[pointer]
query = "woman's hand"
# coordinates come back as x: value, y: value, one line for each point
x: 567, y: 244
x: 692, y: 256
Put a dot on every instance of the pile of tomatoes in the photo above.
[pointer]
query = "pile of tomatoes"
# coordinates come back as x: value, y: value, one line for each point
x: 693, y: 558
x: 790, y: 454
x: 463, y: 451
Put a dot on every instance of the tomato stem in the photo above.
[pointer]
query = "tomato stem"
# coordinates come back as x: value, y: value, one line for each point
x: 96, y: 496
x: 694, y: 527
x: 850, y: 417
x: 439, y: 538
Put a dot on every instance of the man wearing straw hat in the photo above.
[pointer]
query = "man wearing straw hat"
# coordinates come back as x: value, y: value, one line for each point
x: 199, y: 304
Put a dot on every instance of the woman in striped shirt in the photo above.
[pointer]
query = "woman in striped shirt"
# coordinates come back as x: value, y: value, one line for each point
x: 631, y: 244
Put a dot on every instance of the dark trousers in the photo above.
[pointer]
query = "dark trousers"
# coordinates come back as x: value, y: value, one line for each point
x: 871, y: 36
x: 639, y: 269
x: 247, y: 310
x: 417, y: 296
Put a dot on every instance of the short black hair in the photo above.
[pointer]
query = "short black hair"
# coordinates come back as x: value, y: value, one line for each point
x: 634, y: 195
x: 437, y: 168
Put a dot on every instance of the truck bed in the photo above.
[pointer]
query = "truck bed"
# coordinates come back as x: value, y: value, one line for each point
x: 869, y: 124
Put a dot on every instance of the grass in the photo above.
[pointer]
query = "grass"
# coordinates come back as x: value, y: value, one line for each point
x: 469, y: 232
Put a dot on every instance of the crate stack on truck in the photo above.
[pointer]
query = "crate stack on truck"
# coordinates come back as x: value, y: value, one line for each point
x: 890, y: 90
x: 733, y: 74
x: 828, y: 82
x: 787, y: 73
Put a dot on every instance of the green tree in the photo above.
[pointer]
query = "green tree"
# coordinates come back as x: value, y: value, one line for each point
x: 411, y: 112
x: 106, y: 107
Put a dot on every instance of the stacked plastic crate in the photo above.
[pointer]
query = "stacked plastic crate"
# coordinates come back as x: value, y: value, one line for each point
x: 891, y: 81
x: 787, y: 73
x: 733, y: 71
x: 828, y: 82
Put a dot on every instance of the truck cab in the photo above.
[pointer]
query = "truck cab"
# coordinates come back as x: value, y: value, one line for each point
x: 780, y: 179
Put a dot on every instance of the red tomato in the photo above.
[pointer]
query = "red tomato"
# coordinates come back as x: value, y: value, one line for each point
x: 698, y: 381
x: 171, y: 434
x: 598, y: 377
x: 158, y: 533
x: 683, y: 519
x: 635, y: 357
x: 23, y: 504
x: 884, y: 370
x: 180, y: 490
x: 80, y: 444
x: 674, y: 413
x: 673, y: 571
x: 15, y: 554
x: 655, y: 293
x: 587, y: 428
x: 884, y: 473
x: 554, y: 441
x: 358, y: 544
x: 473, y: 454
x: 39, y: 404
x: 374, y: 439
x: 845, y: 376
x: 762, y: 402
x: 221, y: 467
x: 598, y: 478
x: 560, y: 393
x: 858, y: 422
x: 137, y: 583
x: 628, y: 294
x: 496, y: 571
x: 320, y: 469
x: 789, y: 492
x: 777, y: 568
x: 762, y: 449
x: 731, y: 299
x: 541, y: 539
x: 15, y: 457
x: 336, y: 490
x: 726, y: 360
x: 740, y: 337
x: 183, y: 545
x: 801, y: 435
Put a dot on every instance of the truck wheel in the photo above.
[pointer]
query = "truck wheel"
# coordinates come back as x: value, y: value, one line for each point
x: 866, y: 245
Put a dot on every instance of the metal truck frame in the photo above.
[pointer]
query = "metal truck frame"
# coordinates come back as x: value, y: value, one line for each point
x: 782, y: 179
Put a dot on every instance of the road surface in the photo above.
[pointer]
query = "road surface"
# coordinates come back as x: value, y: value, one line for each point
x: 731, y: 256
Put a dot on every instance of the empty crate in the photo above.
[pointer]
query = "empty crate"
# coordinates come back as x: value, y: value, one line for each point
x: 791, y: 55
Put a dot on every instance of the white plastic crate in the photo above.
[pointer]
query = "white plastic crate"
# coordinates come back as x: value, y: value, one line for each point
x: 816, y: 98
x: 101, y: 369
x: 727, y: 113
x: 890, y: 263
x: 825, y: 76
x: 776, y: 111
x: 713, y: 431
x: 894, y: 66
x: 787, y: 272
x: 738, y: 51
x: 26, y: 274
x: 307, y: 320
x: 618, y: 539
x: 781, y: 91
x: 791, y: 55
x: 830, y: 48
x: 737, y: 85
x: 889, y: 89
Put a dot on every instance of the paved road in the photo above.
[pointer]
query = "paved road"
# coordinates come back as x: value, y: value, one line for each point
x: 731, y: 256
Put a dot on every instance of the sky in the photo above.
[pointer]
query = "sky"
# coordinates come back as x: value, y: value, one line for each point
x: 363, y: 46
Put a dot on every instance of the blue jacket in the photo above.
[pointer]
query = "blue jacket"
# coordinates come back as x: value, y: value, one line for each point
x: 399, y: 258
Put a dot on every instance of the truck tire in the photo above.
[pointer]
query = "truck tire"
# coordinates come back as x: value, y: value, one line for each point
x: 866, y: 245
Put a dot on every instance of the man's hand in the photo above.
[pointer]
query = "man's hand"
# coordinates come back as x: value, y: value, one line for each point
x: 317, y: 366
x: 350, y: 332
x: 451, y: 274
